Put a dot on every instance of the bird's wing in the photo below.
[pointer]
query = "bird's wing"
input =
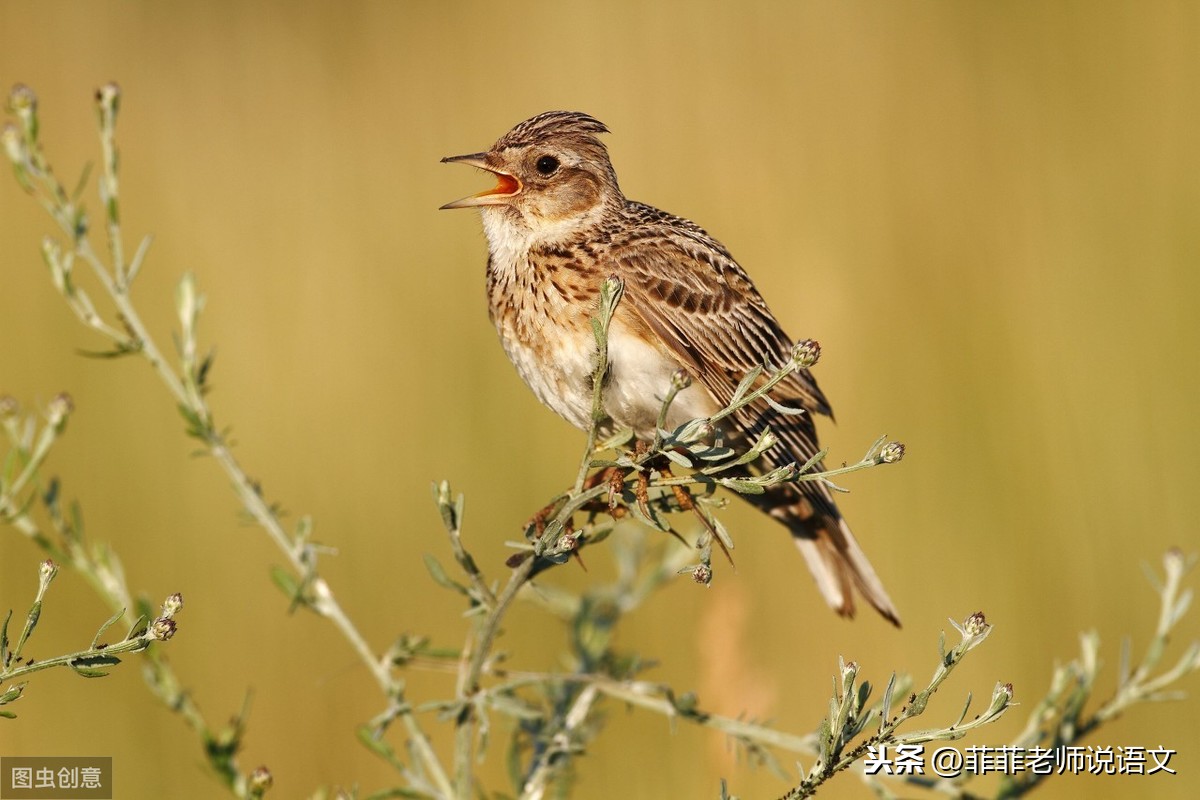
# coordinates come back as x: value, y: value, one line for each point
x: 690, y: 291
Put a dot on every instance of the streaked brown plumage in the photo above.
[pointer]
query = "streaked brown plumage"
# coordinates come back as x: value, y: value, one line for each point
x: 557, y: 224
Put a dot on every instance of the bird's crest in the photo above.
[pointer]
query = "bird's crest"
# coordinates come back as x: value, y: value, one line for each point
x: 554, y: 124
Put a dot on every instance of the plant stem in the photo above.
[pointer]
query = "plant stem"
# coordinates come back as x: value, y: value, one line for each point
x: 470, y: 672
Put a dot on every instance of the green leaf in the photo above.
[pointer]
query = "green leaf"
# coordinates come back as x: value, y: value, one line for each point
x: 97, y: 660
x: 83, y: 179
x: 721, y: 531
x: 812, y: 462
x: 885, y: 708
x: 782, y: 409
x: 87, y: 666
x: 4, y: 640
x: 14, y: 693
x: 398, y: 791
x: 515, y: 707
x: 379, y: 746
x: 712, y: 453
x: 963, y: 715
x: 742, y: 485
x: 288, y: 584
x: 745, y: 385
x: 440, y: 577
x: 111, y: 621
x: 678, y: 458
x: 31, y: 621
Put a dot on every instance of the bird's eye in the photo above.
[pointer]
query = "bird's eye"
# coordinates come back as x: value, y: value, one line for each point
x: 547, y: 165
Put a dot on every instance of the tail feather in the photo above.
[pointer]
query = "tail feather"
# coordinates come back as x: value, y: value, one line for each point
x: 837, y: 562
x: 830, y: 550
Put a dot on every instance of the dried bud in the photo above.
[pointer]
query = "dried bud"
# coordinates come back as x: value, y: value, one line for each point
x: 162, y: 629
x: 23, y: 103
x: 806, y: 353
x: 1175, y: 563
x: 975, y: 624
x: 702, y: 574
x: 108, y: 98
x: 8, y: 406
x: 172, y: 605
x: 680, y: 380
x: 59, y: 409
x: 261, y: 780
x: 890, y: 453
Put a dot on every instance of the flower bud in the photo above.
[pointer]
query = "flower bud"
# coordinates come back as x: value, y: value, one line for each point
x: 14, y: 145
x: 260, y: 781
x: 59, y: 409
x: 8, y: 406
x: 1002, y: 695
x: 108, y: 99
x: 975, y: 624
x: 890, y: 453
x: 172, y: 605
x: 22, y: 101
x: 806, y: 353
x: 680, y: 379
x: 702, y: 574
x: 1175, y: 563
x: 162, y: 629
x: 46, y: 572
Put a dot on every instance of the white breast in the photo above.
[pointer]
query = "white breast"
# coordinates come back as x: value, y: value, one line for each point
x: 640, y: 378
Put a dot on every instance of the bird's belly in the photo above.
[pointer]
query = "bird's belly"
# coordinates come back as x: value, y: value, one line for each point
x: 558, y: 367
x: 640, y: 378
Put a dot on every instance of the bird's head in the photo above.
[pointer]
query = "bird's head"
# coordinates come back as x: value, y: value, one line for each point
x: 553, y: 174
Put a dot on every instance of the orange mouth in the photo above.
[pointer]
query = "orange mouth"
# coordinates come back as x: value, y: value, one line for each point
x: 506, y: 185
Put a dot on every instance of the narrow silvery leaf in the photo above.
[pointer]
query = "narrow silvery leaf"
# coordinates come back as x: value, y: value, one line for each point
x: 963, y: 715
x: 782, y: 409
x: 111, y: 621
x: 742, y: 485
x: 721, y: 531
x: 885, y: 708
x: 745, y: 385
x: 439, y: 575
x: 678, y: 458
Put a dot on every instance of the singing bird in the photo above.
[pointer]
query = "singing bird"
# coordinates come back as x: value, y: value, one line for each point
x: 557, y: 224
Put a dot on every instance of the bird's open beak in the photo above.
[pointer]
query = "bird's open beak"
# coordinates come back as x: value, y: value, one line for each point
x: 507, y: 186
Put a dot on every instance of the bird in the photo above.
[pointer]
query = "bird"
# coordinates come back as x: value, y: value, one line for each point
x: 557, y: 225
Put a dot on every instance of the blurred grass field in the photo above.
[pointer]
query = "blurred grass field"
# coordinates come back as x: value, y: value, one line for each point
x: 988, y: 214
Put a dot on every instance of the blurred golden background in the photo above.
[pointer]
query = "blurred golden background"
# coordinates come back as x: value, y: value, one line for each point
x: 988, y: 214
